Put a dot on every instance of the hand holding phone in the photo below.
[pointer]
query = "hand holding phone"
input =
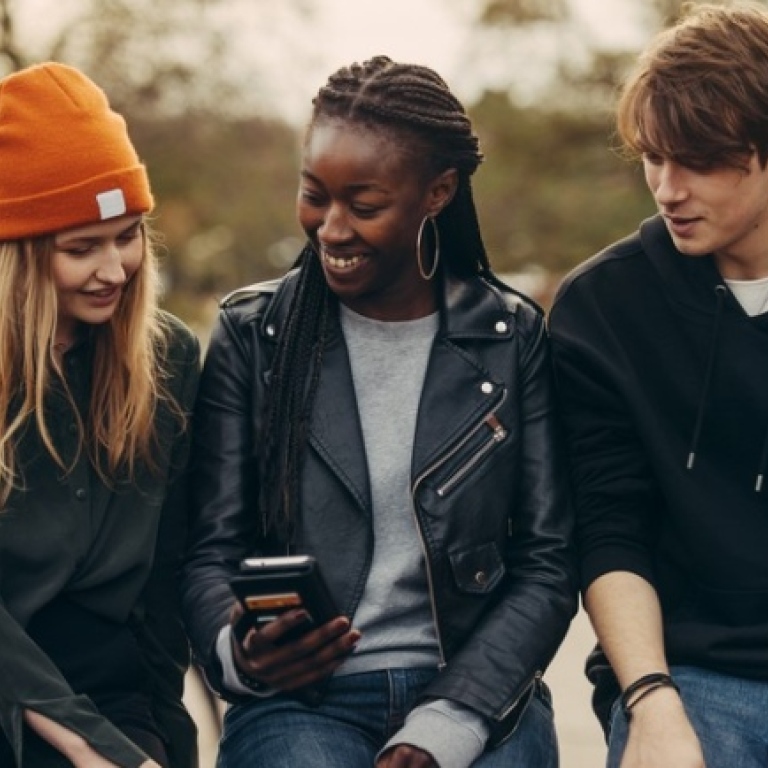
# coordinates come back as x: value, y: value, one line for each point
x: 269, y: 587
x: 267, y: 590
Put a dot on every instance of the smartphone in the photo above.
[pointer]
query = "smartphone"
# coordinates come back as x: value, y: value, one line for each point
x: 267, y: 587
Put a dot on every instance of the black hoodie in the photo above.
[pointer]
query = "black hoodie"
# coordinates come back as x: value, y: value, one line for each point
x: 663, y: 380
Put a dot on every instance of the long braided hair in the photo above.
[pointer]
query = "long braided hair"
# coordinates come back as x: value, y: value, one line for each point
x: 415, y: 104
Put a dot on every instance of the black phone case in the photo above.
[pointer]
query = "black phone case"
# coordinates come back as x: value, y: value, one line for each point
x: 268, y: 587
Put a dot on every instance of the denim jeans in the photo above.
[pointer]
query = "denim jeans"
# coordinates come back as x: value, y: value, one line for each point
x: 355, y: 719
x: 727, y: 713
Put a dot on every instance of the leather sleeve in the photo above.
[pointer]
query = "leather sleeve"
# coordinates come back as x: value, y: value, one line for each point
x: 223, y: 483
x: 514, y: 642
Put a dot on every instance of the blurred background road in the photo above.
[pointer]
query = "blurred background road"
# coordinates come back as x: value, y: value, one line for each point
x: 581, y: 741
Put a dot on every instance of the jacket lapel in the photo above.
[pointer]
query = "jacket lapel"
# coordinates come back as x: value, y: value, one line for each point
x: 459, y: 389
x: 457, y: 394
x: 336, y: 433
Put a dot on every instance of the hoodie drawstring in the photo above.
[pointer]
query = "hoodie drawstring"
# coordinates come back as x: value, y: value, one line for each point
x: 761, y: 466
x: 720, y: 293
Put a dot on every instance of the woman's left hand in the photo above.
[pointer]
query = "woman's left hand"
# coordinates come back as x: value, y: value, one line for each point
x: 406, y: 756
x: 72, y: 745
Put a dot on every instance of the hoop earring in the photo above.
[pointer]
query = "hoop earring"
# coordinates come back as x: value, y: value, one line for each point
x: 436, y: 257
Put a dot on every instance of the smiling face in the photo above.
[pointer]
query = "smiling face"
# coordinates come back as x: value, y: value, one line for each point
x: 91, y: 265
x: 722, y: 211
x: 361, y: 201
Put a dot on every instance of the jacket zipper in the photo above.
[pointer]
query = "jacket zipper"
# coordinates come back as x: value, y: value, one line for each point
x: 535, y: 679
x: 491, y: 420
x: 505, y: 713
x: 498, y: 435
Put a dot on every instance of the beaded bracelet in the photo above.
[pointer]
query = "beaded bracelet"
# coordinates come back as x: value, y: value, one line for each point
x: 649, y: 683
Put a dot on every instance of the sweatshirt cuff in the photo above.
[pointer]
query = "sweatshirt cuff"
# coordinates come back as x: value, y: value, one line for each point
x: 454, y: 735
x: 229, y: 676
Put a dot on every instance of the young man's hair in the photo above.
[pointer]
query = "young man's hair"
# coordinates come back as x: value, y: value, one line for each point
x: 119, y: 428
x: 699, y: 94
x: 413, y: 104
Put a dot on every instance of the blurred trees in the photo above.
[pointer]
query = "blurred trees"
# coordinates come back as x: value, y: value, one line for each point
x: 155, y: 57
x: 146, y: 52
x: 224, y: 169
x: 226, y: 190
x: 552, y: 192
x: 555, y: 189
x: 522, y: 12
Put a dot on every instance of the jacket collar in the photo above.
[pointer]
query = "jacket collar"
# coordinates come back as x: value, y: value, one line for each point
x: 470, y: 308
x: 473, y: 308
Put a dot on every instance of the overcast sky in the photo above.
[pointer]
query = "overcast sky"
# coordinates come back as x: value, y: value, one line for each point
x: 292, y: 61
x: 437, y: 33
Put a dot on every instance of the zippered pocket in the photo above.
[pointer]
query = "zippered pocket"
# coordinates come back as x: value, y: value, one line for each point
x: 497, y: 434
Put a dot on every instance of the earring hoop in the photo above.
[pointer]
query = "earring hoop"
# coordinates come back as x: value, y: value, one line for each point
x: 436, y: 256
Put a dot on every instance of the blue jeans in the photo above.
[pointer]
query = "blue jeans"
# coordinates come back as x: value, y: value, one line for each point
x: 727, y: 713
x: 355, y: 719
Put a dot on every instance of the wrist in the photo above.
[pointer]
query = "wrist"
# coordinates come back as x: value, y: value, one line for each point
x: 75, y: 748
x: 638, y: 692
x: 250, y: 682
x: 70, y: 743
x: 664, y: 704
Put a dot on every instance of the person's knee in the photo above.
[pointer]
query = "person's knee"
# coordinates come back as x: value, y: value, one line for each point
x: 287, y: 739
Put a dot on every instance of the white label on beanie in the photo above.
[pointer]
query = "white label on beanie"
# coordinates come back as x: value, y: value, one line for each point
x: 111, y: 203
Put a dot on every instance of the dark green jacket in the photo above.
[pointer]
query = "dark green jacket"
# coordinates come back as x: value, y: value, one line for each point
x: 112, y: 551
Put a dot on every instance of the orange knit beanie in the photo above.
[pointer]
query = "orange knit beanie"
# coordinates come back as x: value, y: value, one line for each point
x: 65, y: 156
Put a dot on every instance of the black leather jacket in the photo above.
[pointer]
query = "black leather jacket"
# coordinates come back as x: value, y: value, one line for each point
x: 488, y: 487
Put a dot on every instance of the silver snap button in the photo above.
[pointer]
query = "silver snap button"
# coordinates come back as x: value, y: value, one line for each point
x: 481, y: 578
x: 501, y: 327
x: 80, y: 494
x: 270, y: 330
x: 486, y: 387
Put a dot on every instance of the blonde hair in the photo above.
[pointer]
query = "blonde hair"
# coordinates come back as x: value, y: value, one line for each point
x: 699, y: 93
x: 127, y: 380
